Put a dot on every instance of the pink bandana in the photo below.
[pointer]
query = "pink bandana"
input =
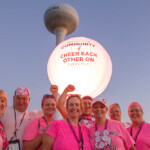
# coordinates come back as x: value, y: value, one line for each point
x: 22, y: 91
x: 135, y: 103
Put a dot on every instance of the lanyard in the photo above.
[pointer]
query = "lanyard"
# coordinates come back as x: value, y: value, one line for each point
x: 137, y: 132
x: 15, y: 132
x: 40, y: 129
x: 45, y: 120
x: 106, y: 123
x: 80, y: 140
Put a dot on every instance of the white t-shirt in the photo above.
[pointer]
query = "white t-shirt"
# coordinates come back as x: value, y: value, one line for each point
x: 8, y: 120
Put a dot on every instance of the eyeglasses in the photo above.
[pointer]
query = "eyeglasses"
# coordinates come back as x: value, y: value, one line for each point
x: 136, y: 110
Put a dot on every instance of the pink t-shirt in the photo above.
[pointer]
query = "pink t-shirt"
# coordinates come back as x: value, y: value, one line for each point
x: 64, y: 138
x: 34, y: 129
x: 117, y: 137
x: 143, y: 138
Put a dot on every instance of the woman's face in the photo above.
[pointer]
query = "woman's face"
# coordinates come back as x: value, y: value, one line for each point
x: 3, y: 101
x: 49, y: 106
x: 114, y: 113
x: 99, y: 110
x: 136, y: 114
x: 74, y: 107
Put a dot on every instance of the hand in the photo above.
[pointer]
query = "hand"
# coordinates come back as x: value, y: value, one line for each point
x: 54, y: 88
x: 70, y: 88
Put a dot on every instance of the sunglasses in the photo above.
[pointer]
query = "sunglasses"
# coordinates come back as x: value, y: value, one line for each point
x: 48, y: 96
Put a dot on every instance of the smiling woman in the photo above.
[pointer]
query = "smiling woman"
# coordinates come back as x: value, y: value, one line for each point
x: 114, y: 113
x: 140, y: 130
x: 36, y: 129
x: 69, y: 133
x: 86, y: 117
x: 3, y: 104
x: 105, y: 134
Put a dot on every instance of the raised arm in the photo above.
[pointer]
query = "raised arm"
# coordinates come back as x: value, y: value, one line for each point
x: 54, y: 90
x: 62, y: 100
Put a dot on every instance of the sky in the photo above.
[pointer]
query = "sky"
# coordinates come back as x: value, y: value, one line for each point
x: 121, y: 27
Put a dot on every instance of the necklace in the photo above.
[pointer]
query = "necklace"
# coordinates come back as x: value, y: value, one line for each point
x: 137, y: 132
x: 80, y: 140
x: 17, y: 129
x: 102, y: 139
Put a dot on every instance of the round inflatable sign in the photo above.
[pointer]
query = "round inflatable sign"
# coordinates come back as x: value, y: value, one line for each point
x: 82, y: 62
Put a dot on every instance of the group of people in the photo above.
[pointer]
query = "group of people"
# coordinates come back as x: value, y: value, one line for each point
x: 84, y: 127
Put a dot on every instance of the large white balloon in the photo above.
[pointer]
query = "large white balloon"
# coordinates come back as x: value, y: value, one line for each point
x: 82, y: 62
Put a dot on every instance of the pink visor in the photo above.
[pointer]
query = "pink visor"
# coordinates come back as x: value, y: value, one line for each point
x: 135, y: 103
x: 48, y: 96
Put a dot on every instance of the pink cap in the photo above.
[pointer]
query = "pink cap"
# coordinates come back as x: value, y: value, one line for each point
x: 22, y: 91
x: 135, y: 103
x: 101, y: 100
x: 48, y: 96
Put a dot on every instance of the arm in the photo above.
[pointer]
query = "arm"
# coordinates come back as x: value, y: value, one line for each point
x: 132, y: 148
x: 54, y: 90
x: 33, y: 144
x: 47, y: 142
x: 62, y: 100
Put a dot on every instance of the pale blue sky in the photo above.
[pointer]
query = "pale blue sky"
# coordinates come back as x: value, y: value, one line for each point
x: 122, y: 27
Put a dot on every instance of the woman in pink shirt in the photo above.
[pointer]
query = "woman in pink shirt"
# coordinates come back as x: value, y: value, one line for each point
x: 108, y: 134
x: 140, y: 130
x: 3, y: 105
x: 68, y: 134
x: 86, y: 118
x: 114, y: 113
x: 35, y: 130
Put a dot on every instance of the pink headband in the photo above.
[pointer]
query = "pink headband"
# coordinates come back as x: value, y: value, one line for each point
x: 135, y: 103
x: 22, y: 91
x: 48, y: 96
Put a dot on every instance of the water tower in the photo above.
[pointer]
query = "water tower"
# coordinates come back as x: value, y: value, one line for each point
x: 61, y: 19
